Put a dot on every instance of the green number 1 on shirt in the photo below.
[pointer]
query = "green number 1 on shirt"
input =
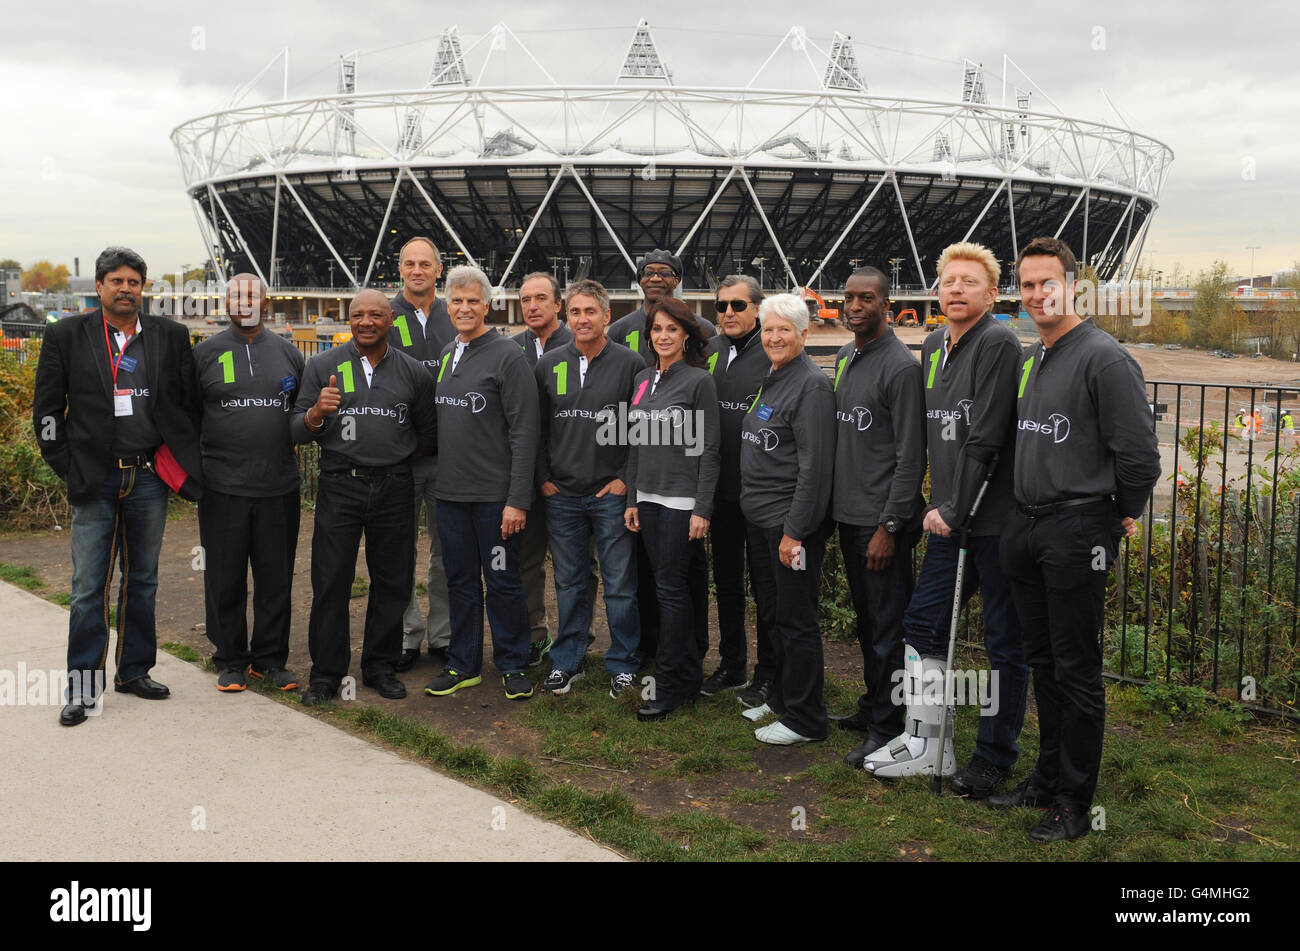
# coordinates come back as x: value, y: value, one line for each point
x: 346, y: 370
x: 634, y: 341
x: 561, y: 379
x: 405, y: 331
x: 1024, y: 376
x: 227, y: 361
x: 934, y: 366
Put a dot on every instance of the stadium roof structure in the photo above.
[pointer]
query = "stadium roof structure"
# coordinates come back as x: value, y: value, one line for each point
x: 806, y: 183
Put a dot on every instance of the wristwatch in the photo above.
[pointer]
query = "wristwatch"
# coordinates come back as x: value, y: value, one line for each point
x: 892, y: 524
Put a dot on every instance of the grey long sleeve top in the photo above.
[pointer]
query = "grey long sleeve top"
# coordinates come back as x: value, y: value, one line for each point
x: 970, y: 410
x: 580, y: 451
x: 425, y: 343
x: 488, y: 425
x: 880, y: 434
x: 248, y: 389
x: 378, y: 424
x: 1085, y: 428
x: 737, y: 383
x: 787, y: 451
x: 673, y: 434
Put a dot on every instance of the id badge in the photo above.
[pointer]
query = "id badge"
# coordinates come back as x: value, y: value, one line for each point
x: 122, y: 403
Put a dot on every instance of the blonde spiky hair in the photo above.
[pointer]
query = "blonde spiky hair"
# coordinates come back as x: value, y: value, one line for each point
x: 970, y: 251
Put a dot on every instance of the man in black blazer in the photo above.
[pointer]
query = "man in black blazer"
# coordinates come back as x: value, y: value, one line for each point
x: 112, y: 386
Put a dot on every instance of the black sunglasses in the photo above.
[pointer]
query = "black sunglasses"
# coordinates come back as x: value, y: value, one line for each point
x: 665, y: 274
x: 739, y: 306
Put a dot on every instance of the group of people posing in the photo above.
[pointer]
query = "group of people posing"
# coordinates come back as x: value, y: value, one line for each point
x: 625, y: 446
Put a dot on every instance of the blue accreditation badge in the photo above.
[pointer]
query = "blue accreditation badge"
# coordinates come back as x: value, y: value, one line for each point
x: 128, y: 364
x: 764, y: 412
x: 289, y: 384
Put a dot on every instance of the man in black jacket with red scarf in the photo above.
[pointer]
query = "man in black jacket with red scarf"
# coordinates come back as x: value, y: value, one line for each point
x: 112, y: 387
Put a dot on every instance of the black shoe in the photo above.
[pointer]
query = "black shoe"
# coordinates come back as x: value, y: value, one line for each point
x: 722, y: 679
x: 386, y: 685
x: 873, y: 742
x: 232, y: 680
x: 278, y: 677
x: 438, y: 654
x: 755, y: 693
x: 319, y: 691
x: 518, y: 687
x: 559, y: 681
x: 652, y: 712
x: 1028, y: 794
x: 407, y: 660
x: 1064, y: 822
x: 144, y: 688
x: 74, y: 712
x: 538, y: 650
x: 978, y: 779
x: 857, y: 721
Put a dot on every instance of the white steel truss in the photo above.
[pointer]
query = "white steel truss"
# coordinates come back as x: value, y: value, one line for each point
x: 642, y: 121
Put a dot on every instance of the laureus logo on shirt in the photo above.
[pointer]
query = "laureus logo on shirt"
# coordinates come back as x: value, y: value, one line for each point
x: 962, y: 412
x: 732, y: 406
x: 1057, y: 427
x: 474, y: 402
x: 858, y: 417
x: 764, y: 437
x: 280, y: 401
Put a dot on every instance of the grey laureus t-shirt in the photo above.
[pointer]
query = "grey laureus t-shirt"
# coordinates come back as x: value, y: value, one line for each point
x: 379, y: 423
x: 249, y: 388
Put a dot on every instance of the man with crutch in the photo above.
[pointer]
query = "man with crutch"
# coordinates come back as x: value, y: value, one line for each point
x: 969, y: 370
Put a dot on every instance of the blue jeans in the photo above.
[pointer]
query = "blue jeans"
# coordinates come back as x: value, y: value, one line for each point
x: 571, y: 521
x: 124, y: 523
x: 473, y: 550
x: 929, y: 615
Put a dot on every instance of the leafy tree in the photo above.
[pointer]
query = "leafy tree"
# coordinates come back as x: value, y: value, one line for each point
x: 1212, y: 308
x: 44, y: 276
x: 9, y: 262
x: 1164, y: 327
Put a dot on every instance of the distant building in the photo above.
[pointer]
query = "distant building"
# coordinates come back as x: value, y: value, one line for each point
x: 11, y: 286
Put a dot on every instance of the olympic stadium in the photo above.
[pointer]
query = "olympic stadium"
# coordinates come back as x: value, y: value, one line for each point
x: 799, y: 185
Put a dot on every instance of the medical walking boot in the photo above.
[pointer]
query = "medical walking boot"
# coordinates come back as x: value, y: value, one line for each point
x: 913, y: 752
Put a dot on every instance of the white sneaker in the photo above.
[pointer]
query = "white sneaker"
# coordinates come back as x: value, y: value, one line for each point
x: 778, y: 734
x: 754, y: 714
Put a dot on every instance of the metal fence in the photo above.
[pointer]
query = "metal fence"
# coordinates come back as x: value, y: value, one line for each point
x: 1208, y: 594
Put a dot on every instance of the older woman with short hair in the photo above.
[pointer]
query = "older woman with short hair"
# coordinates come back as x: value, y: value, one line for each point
x: 787, y: 457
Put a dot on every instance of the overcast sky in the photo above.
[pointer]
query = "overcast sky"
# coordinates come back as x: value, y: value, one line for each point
x: 93, y: 92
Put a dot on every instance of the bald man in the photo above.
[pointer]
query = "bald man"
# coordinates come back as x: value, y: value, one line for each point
x: 370, y: 407
x: 248, y: 379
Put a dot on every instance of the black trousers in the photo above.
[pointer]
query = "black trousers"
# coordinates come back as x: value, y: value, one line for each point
x: 729, y: 538
x: 879, y: 600
x: 1057, y: 565
x: 787, y: 599
x: 679, y: 584
x: 382, y: 508
x: 647, y: 601
x: 237, y: 531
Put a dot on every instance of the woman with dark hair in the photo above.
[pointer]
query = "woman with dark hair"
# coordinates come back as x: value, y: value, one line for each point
x: 672, y: 469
